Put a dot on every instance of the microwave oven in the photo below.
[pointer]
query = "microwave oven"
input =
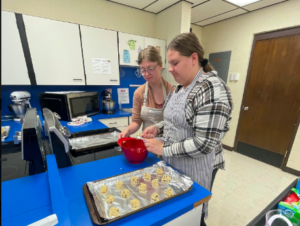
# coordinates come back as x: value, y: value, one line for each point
x: 70, y: 105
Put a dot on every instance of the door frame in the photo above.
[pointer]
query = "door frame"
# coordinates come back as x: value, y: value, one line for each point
x: 259, y: 37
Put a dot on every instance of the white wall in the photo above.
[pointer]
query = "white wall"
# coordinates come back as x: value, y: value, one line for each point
x: 170, y: 23
x: 97, y: 13
x: 198, y: 31
x: 236, y: 35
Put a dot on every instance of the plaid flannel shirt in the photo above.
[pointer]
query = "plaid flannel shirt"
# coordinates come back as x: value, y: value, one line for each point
x: 208, y: 111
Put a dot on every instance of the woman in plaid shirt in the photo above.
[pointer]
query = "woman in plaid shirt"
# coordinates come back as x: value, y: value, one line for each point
x: 196, y: 115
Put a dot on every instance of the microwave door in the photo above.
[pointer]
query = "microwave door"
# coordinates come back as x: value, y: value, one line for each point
x: 85, y: 105
x: 56, y: 105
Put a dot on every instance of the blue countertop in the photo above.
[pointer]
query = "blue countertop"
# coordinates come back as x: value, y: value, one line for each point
x: 95, y: 124
x: 59, y: 191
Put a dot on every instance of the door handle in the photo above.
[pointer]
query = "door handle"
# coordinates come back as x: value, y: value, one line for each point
x: 246, y: 108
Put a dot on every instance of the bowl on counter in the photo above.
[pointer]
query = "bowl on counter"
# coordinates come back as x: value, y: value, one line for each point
x: 133, y: 149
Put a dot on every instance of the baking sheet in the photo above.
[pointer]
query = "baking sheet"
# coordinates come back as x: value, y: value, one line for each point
x: 93, y: 140
x: 5, y: 133
x: 179, y: 184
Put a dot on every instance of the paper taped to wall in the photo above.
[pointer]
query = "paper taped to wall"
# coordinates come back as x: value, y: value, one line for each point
x: 101, y: 66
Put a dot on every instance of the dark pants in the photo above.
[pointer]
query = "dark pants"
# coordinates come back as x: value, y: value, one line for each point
x: 202, y: 222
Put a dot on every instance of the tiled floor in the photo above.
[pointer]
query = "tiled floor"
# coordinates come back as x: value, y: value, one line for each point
x: 243, y: 190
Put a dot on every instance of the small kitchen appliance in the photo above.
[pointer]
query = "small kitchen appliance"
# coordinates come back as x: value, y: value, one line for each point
x: 21, y: 104
x: 108, y: 105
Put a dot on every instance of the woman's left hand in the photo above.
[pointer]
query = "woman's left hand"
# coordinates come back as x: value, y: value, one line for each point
x: 153, y: 145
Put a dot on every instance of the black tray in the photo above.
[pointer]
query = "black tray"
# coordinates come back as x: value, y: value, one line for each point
x: 95, y: 216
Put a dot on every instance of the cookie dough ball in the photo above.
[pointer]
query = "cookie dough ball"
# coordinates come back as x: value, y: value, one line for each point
x: 125, y: 193
x: 155, y: 183
x: 166, y: 179
x: 135, y: 204
x: 134, y: 180
x: 114, y: 212
x: 147, y: 176
x: 155, y: 197
x: 169, y: 192
x: 159, y: 172
x: 143, y: 188
x: 103, y: 189
x: 109, y: 199
x: 119, y: 185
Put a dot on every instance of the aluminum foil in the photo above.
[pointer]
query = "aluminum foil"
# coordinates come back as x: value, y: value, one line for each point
x: 4, y: 135
x: 179, y: 183
x: 94, y: 140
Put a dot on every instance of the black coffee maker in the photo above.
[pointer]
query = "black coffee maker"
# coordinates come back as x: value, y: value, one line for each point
x: 108, y: 105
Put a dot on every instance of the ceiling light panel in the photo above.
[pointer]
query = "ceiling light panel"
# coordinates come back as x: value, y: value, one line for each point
x: 262, y: 4
x: 242, y: 2
x: 140, y: 4
x: 222, y: 17
x: 210, y: 9
x: 160, y: 5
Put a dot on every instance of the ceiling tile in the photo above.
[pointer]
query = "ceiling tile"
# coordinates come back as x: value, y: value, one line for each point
x: 140, y: 4
x: 210, y: 9
x: 196, y: 2
x: 160, y: 5
x: 224, y: 16
x: 261, y: 4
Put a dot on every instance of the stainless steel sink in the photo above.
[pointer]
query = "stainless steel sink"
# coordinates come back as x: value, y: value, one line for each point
x: 128, y: 110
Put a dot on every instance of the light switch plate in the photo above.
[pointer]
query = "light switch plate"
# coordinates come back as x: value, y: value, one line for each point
x: 236, y: 76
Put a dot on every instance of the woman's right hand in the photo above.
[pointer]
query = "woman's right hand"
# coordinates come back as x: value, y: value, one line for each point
x: 123, y: 134
x: 149, y: 132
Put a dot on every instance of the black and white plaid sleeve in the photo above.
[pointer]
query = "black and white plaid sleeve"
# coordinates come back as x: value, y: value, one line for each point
x: 210, y: 114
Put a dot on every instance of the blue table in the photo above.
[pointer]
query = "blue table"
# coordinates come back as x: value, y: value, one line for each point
x: 94, y: 125
x: 59, y: 191
x: 25, y: 200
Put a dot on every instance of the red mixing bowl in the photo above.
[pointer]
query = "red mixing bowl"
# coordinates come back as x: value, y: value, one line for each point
x: 133, y: 149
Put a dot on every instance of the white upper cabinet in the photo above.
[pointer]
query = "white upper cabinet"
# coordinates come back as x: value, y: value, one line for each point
x: 100, y: 53
x: 55, y: 50
x: 160, y: 45
x: 129, y: 48
x: 13, y: 64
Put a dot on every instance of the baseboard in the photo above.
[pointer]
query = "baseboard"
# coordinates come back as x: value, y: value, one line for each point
x: 260, y: 154
x: 227, y: 147
x: 290, y: 170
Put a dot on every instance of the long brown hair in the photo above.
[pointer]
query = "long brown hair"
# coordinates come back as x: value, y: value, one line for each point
x: 151, y: 54
x: 187, y: 44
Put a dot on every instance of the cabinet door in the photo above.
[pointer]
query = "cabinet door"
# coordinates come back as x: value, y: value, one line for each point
x: 13, y: 64
x: 139, y: 132
x: 100, y: 53
x: 55, y: 50
x: 160, y: 45
x: 129, y: 48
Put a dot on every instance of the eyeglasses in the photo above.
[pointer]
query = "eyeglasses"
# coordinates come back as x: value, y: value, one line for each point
x: 150, y: 70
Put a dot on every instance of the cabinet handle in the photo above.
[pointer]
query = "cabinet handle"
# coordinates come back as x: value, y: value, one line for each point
x: 113, y: 80
x: 112, y: 123
x: 77, y: 80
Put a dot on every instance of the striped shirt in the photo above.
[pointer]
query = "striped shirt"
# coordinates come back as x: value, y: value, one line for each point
x: 208, y: 109
x: 192, y: 137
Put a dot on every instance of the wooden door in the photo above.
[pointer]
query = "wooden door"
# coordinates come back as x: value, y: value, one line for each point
x: 272, y: 94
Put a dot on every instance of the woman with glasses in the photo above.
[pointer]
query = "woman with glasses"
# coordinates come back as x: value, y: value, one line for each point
x: 148, y: 99
x: 196, y: 115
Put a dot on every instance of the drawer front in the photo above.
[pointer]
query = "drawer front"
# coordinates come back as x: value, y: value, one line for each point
x: 120, y: 123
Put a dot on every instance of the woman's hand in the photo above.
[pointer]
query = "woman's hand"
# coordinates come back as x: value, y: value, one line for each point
x: 149, y: 132
x: 153, y: 145
x: 124, y: 133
